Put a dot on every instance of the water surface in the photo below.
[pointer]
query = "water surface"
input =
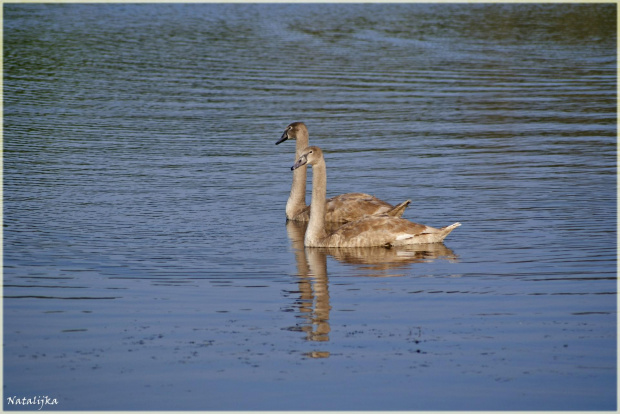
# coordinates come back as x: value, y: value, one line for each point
x: 147, y: 261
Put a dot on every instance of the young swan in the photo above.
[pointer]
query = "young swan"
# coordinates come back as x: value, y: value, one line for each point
x: 368, y: 231
x: 340, y: 209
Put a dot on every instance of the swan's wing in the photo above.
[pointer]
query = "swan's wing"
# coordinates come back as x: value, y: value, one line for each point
x: 353, y: 206
x: 386, y: 231
x: 349, y: 207
x: 380, y: 230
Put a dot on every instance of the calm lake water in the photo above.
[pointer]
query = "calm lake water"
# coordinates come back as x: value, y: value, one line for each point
x: 147, y: 260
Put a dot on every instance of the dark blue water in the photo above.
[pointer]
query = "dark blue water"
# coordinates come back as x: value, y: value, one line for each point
x: 147, y: 262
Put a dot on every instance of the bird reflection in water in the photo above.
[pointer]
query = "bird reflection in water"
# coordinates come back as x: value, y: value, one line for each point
x: 313, y: 301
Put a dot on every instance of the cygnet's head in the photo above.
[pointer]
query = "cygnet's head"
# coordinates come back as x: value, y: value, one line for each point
x: 294, y: 131
x: 310, y: 156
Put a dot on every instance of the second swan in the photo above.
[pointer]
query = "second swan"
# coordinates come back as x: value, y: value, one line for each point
x: 340, y: 209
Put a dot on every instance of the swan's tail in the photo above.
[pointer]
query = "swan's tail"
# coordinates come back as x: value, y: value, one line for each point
x: 399, y: 209
x: 444, y: 231
x: 451, y: 226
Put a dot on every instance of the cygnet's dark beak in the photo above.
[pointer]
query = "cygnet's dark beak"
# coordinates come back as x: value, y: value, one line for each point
x: 300, y: 162
x: 283, y: 138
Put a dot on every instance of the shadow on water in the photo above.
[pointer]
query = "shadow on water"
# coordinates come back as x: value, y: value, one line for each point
x: 313, y: 301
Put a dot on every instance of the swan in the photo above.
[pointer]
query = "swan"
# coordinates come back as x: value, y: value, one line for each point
x: 381, y: 230
x: 341, y: 209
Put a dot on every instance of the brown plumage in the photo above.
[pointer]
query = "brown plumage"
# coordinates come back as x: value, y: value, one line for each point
x: 341, y: 209
x: 382, y: 230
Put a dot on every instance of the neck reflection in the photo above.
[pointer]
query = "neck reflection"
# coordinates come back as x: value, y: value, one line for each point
x: 313, y: 301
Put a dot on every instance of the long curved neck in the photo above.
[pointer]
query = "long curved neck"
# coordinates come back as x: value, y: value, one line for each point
x: 316, y: 226
x: 297, y: 199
